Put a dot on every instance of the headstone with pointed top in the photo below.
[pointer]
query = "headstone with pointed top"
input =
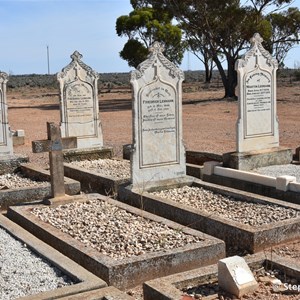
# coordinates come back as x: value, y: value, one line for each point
x: 79, y: 110
x: 158, y: 153
x: 257, y: 126
x: 79, y: 103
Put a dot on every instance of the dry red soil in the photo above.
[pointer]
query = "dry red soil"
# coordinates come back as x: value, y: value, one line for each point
x: 208, y: 119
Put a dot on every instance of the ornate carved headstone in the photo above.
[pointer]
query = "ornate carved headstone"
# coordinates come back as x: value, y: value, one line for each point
x: 257, y: 127
x: 158, y: 152
x: 6, y: 142
x: 79, y: 103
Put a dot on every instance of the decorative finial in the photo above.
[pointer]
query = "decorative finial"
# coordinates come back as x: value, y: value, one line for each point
x: 156, y: 47
x: 76, y: 56
x: 256, y: 39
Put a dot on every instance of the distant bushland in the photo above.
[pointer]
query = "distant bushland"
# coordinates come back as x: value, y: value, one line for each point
x: 110, y: 81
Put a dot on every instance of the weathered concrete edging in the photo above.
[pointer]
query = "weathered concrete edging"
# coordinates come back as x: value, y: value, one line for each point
x: 107, y: 293
x: 86, y: 281
x: 16, y: 196
x: 233, y: 233
x: 92, y: 182
x: 251, y: 182
x: 169, y: 287
x: 127, y: 272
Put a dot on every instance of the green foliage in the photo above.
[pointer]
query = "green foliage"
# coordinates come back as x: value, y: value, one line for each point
x: 134, y: 52
x: 142, y: 27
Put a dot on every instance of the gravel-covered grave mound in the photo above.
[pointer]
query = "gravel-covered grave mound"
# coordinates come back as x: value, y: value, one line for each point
x: 22, y: 273
x: 111, y: 167
x: 17, y: 180
x: 250, y: 213
x: 113, y: 231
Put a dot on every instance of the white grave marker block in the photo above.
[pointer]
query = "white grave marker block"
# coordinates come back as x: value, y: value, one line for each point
x: 6, y: 141
x: 235, y: 277
x: 79, y: 103
x: 158, y: 152
x: 257, y: 126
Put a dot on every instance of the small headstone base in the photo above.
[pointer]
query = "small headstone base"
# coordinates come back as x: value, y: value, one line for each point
x: 9, y: 163
x: 88, y: 153
x: 247, y: 161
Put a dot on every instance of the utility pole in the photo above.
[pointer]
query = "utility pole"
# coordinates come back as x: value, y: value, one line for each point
x: 48, y: 60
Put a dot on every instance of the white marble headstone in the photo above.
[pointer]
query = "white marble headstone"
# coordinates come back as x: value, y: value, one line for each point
x: 6, y: 140
x: 79, y: 103
x: 158, y: 152
x: 257, y: 126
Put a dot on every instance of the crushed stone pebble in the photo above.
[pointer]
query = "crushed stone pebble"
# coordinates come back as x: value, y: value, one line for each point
x: 110, y: 167
x: 17, y: 180
x: 113, y: 231
x: 248, y: 213
x: 23, y: 273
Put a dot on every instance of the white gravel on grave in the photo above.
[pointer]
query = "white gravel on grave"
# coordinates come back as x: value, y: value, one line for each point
x: 22, y: 273
x: 16, y: 180
x: 113, y: 231
x: 280, y: 170
x: 245, y: 212
x: 111, y: 167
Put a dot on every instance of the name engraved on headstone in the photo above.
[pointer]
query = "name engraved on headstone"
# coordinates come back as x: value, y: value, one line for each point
x: 158, y: 125
x: 79, y: 107
x: 258, y: 108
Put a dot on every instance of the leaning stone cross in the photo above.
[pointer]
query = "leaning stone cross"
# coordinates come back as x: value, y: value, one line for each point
x: 54, y: 145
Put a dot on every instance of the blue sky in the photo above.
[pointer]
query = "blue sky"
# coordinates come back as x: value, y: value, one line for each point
x: 27, y: 27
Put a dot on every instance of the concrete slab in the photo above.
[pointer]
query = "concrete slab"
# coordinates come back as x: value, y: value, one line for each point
x: 93, y: 182
x: 170, y: 287
x: 16, y: 196
x: 235, y: 234
x: 129, y: 272
x: 253, y: 182
x: 84, y: 280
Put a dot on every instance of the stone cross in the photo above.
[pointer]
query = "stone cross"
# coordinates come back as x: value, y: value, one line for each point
x: 54, y: 145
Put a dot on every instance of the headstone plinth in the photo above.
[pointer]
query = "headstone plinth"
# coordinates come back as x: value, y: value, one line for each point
x: 157, y: 152
x: 79, y: 110
x: 257, y: 125
x: 250, y: 160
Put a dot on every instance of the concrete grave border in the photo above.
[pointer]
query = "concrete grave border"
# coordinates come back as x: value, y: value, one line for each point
x: 86, y: 280
x: 16, y: 196
x: 130, y: 272
x: 107, y: 293
x: 233, y: 233
x: 282, y: 187
x: 168, y: 288
x: 93, y: 182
